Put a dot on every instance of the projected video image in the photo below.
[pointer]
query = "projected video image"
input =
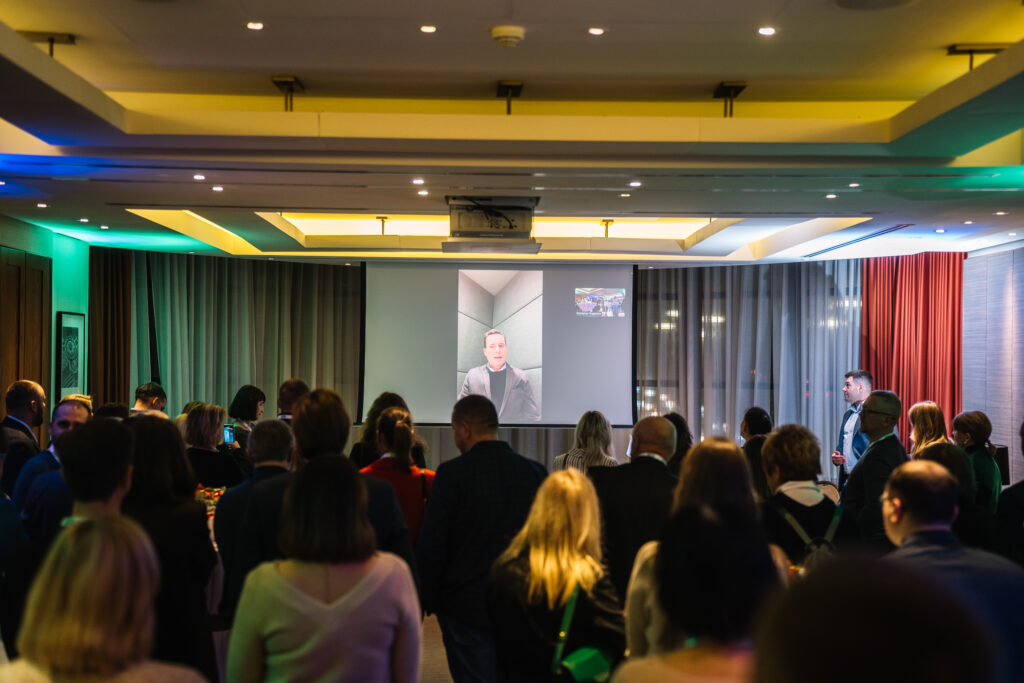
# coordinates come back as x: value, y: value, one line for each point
x: 500, y: 340
x: 597, y: 302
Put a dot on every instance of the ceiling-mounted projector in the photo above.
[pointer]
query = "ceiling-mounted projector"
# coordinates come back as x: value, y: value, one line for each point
x: 491, y: 217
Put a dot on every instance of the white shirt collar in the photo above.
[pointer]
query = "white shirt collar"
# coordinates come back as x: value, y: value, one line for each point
x: 503, y: 366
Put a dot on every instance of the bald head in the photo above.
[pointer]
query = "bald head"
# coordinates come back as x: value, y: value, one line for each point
x: 654, y: 435
x: 26, y: 401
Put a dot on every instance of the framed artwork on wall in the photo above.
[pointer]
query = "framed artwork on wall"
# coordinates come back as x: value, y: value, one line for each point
x: 70, y: 365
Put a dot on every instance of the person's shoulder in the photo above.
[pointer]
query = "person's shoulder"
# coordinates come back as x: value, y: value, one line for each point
x: 21, y: 671
x: 158, y: 672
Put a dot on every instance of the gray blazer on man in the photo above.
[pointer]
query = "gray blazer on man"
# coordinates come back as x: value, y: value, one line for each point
x: 518, y: 404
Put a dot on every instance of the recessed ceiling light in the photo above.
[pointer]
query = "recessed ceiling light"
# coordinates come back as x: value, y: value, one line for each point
x: 417, y: 181
x: 42, y: 205
x: 968, y: 222
x: 428, y: 29
x: 940, y: 230
x: 595, y: 31
x: 270, y: 258
x: 999, y: 213
x: 217, y: 188
x: 255, y: 26
x: 650, y: 267
x: 104, y: 227
x: 854, y: 184
x: 1012, y: 234
x: 2, y: 182
x: 423, y: 193
x: 635, y: 183
x: 198, y: 176
x: 625, y: 194
x: 348, y: 264
x: 83, y: 220
x: 766, y: 31
x: 830, y: 196
x: 191, y: 252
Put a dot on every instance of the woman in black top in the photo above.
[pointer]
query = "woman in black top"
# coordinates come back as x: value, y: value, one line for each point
x: 204, y: 430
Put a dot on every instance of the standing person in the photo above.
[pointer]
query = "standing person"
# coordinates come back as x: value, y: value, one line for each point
x: 336, y: 609
x: 73, y: 411
x: 507, y: 387
x: 852, y: 441
x: 149, y: 396
x: 927, y: 426
x: 162, y: 501
x: 971, y: 431
x: 395, y: 438
x: 756, y: 422
x: 479, y: 501
x: 364, y: 452
x: 556, y: 555
x: 635, y: 497
x: 12, y: 534
x: 684, y: 441
x: 862, y: 495
x: 592, y: 445
x: 246, y: 409
x: 204, y: 431
x: 25, y: 402
x: 290, y: 392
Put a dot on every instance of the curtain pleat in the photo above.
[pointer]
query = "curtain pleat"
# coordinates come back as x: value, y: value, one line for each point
x: 110, y: 325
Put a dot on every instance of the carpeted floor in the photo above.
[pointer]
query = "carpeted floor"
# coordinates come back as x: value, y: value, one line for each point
x: 435, y: 665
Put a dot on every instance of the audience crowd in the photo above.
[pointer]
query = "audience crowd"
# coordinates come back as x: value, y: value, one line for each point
x: 219, y: 545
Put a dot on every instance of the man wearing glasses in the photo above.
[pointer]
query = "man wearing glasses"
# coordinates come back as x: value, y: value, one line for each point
x: 866, y: 483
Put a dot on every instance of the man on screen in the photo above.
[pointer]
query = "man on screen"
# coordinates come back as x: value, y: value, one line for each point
x: 507, y: 387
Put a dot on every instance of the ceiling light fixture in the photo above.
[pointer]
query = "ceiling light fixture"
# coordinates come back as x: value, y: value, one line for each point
x: 940, y: 230
x: 766, y: 31
x: 83, y: 220
x: 968, y: 222
x: 1012, y: 234
x: 255, y: 26
x: 198, y: 176
x: 595, y: 31
x: 3, y: 182
x: 635, y: 183
x: 999, y: 213
x: 217, y: 188
x: 41, y: 205
x: 423, y: 193
x: 854, y: 184
x: 830, y: 196
x: 625, y: 194
x: 417, y: 181
x: 104, y: 227
x: 428, y: 29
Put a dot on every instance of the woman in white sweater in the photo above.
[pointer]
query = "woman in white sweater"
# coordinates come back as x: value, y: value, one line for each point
x: 336, y: 609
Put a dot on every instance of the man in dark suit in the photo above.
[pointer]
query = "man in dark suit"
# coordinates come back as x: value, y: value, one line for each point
x: 25, y: 402
x: 918, y: 507
x: 477, y: 504
x: 321, y: 426
x: 73, y: 411
x: 508, y: 388
x: 636, y: 497
x: 885, y: 453
x: 272, y: 446
x: 852, y: 442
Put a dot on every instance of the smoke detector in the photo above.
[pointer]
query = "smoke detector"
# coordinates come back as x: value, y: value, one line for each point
x: 508, y: 36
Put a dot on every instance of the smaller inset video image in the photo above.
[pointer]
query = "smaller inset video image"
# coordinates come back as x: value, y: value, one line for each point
x: 600, y: 302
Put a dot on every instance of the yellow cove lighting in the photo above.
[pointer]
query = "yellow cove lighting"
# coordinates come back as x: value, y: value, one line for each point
x: 366, y: 224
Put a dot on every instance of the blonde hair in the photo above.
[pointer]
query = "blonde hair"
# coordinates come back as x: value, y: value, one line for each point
x: 594, y: 437
x: 562, y: 537
x: 204, y: 425
x: 90, y: 609
x: 928, y: 425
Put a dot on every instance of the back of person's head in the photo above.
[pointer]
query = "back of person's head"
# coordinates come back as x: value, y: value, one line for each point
x: 716, y: 473
x: 161, y: 472
x: 291, y: 391
x: 902, y: 627
x: 955, y: 460
x: 245, y: 404
x: 563, y: 537
x: 77, y: 399
x: 795, y: 451
x: 396, y: 428
x: 204, y: 425
x: 90, y: 610
x: 926, y: 490
x: 149, y: 391
x: 478, y: 412
x: 713, y: 570
x: 861, y: 376
x: 888, y: 401
x: 684, y: 441
x: 20, y: 395
x: 654, y: 434
x: 758, y: 421
x: 271, y: 441
x: 752, y: 450
x: 190, y: 405
x: 976, y: 425
x: 114, y: 409
x: 321, y: 424
x: 928, y: 424
x: 95, y: 459
x: 387, y: 399
x: 326, y: 489
x: 593, y: 435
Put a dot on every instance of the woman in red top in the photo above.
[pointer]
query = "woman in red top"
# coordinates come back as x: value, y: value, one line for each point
x: 395, y: 439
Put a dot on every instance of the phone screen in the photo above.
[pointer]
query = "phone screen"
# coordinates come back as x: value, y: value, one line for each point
x: 229, y: 434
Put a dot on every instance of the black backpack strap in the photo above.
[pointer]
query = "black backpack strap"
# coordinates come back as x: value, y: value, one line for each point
x: 834, y: 524
x: 791, y: 520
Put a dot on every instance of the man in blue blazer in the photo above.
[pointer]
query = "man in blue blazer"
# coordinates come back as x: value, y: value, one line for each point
x: 25, y: 402
x: 852, y: 441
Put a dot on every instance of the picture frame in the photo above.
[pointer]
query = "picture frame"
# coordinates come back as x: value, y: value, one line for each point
x: 69, y: 369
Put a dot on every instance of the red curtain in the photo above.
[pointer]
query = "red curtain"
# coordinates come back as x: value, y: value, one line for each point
x: 911, y: 329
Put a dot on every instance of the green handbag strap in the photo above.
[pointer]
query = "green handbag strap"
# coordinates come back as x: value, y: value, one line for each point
x: 563, y: 633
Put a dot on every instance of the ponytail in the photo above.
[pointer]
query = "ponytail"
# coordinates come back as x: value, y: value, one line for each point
x: 395, y: 425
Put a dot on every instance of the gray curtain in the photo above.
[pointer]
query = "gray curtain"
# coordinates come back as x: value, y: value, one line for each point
x: 218, y: 323
x: 715, y: 341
